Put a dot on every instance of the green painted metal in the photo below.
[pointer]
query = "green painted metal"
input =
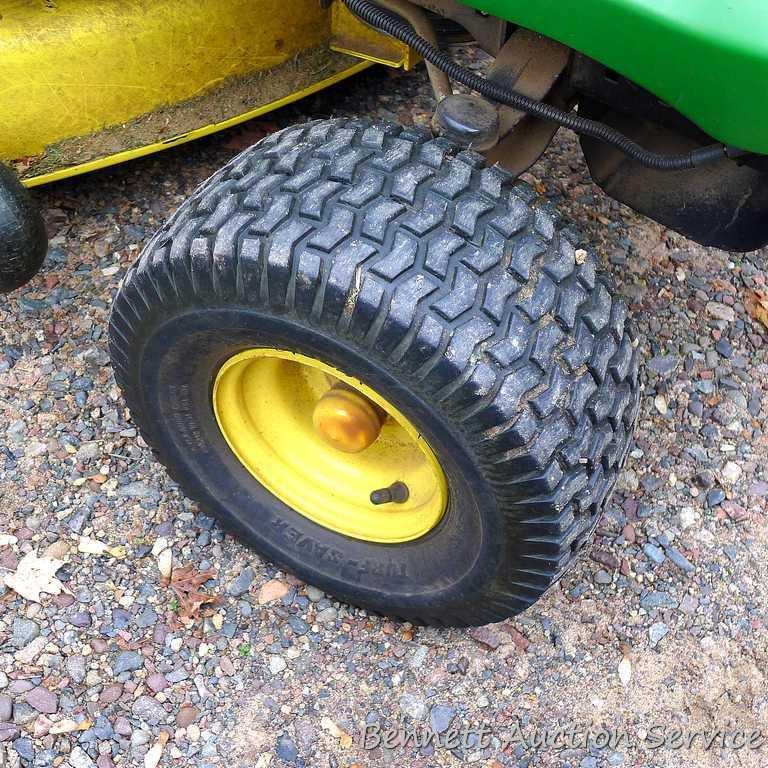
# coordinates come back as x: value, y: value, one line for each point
x: 706, y: 58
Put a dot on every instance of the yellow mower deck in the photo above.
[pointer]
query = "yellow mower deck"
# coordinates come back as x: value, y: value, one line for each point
x: 89, y: 83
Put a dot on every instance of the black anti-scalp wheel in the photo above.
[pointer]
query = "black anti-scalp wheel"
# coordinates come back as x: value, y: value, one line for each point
x: 384, y: 366
x: 23, y: 240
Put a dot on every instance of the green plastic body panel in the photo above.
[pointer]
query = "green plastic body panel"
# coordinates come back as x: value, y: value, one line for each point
x: 706, y: 58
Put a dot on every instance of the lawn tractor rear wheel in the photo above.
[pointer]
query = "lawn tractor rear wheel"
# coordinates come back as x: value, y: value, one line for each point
x: 384, y: 366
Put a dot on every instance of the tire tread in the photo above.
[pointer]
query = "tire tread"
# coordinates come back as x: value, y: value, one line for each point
x: 459, y: 277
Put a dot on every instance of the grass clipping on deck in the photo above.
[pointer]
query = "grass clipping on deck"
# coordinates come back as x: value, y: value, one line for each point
x: 230, y: 99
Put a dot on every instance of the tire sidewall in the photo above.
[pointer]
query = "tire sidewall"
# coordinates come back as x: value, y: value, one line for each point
x: 445, y: 567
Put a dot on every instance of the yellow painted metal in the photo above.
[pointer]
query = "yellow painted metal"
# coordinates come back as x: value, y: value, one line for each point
x: 159, y: 146
x: 71, y: 67
x: 264, y: 401
x: 351, y: 36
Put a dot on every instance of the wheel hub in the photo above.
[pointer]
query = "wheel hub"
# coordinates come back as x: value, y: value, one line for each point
x: 347, y: 420
x: 327, y: 445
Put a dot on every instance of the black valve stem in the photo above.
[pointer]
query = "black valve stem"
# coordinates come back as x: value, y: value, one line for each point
x: 397, y: 493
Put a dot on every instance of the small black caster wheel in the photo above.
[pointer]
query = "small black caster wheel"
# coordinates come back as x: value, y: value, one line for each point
x: 23, y: 240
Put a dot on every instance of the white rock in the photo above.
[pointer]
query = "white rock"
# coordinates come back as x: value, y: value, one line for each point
x: 31, y: 651
x: 413, y: 706
x: 78, y: 758
x: 276, y: 664
x: 731, y: 472
x: 688, y: 517
x: 721, y: 311
x: 628, y: 480
x: 34, y: 449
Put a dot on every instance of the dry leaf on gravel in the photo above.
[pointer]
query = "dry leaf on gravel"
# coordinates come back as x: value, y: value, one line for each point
x: 69, y: 726
x: 161, y: 543
x: 345, y: 740
x: 756, y: 303
x: 186, y: 582
x: 152, y: 758
x: 625, y: 665
x: 625, y: 670
x: 58, y: 550
x: 165, y: 565
x: 35, y: 575
x: 90, y: 546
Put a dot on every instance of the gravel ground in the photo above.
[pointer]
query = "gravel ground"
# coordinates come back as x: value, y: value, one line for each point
x: 661, y: 626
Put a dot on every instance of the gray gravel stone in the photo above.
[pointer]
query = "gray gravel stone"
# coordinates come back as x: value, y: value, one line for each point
x: 689, y: 604
x: 177, y: 675
x: 76, y: 668
x: 6, y: 709
x: 657, y: 600
x: 79, y: 758
x: 8, y: 732
x: 298, y: 625
x: 654, y: 553
x: 680, y: 560
x: 24, y: 631
x: 327, y: 615
x: 724, y: 348
x: 140, y: 737
x: 715, y: 497
x: 656, y: 632
x: 149, y: 710
x: 147, y: 618
x: 127, y: 661
x: 241, y: 584
x: 440, y: 717
x: 315, y: 594
x: 137, y: 490
x: 23, y: 713
x: 663, y: 365
x: 24, y: 748
x: 286, y: 749
x: 42, y: 700
x: 103, y: 728
x: 81, y: 619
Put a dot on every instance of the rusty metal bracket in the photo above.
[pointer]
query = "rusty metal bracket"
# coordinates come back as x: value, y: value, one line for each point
x: 489, y: 32
x: 532, y: 65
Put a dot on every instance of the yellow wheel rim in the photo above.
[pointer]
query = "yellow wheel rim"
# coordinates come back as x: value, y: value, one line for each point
x: 264, y: 400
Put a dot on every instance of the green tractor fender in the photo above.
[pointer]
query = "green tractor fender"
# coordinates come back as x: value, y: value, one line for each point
x: 708, y: 59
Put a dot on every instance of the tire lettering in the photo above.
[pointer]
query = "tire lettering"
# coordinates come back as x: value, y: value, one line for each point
x: 353, y: 570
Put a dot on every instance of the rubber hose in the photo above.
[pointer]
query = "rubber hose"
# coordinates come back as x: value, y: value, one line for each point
x: 395, y: 26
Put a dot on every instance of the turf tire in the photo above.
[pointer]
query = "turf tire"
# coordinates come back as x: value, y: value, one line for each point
x: 445, y: 285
